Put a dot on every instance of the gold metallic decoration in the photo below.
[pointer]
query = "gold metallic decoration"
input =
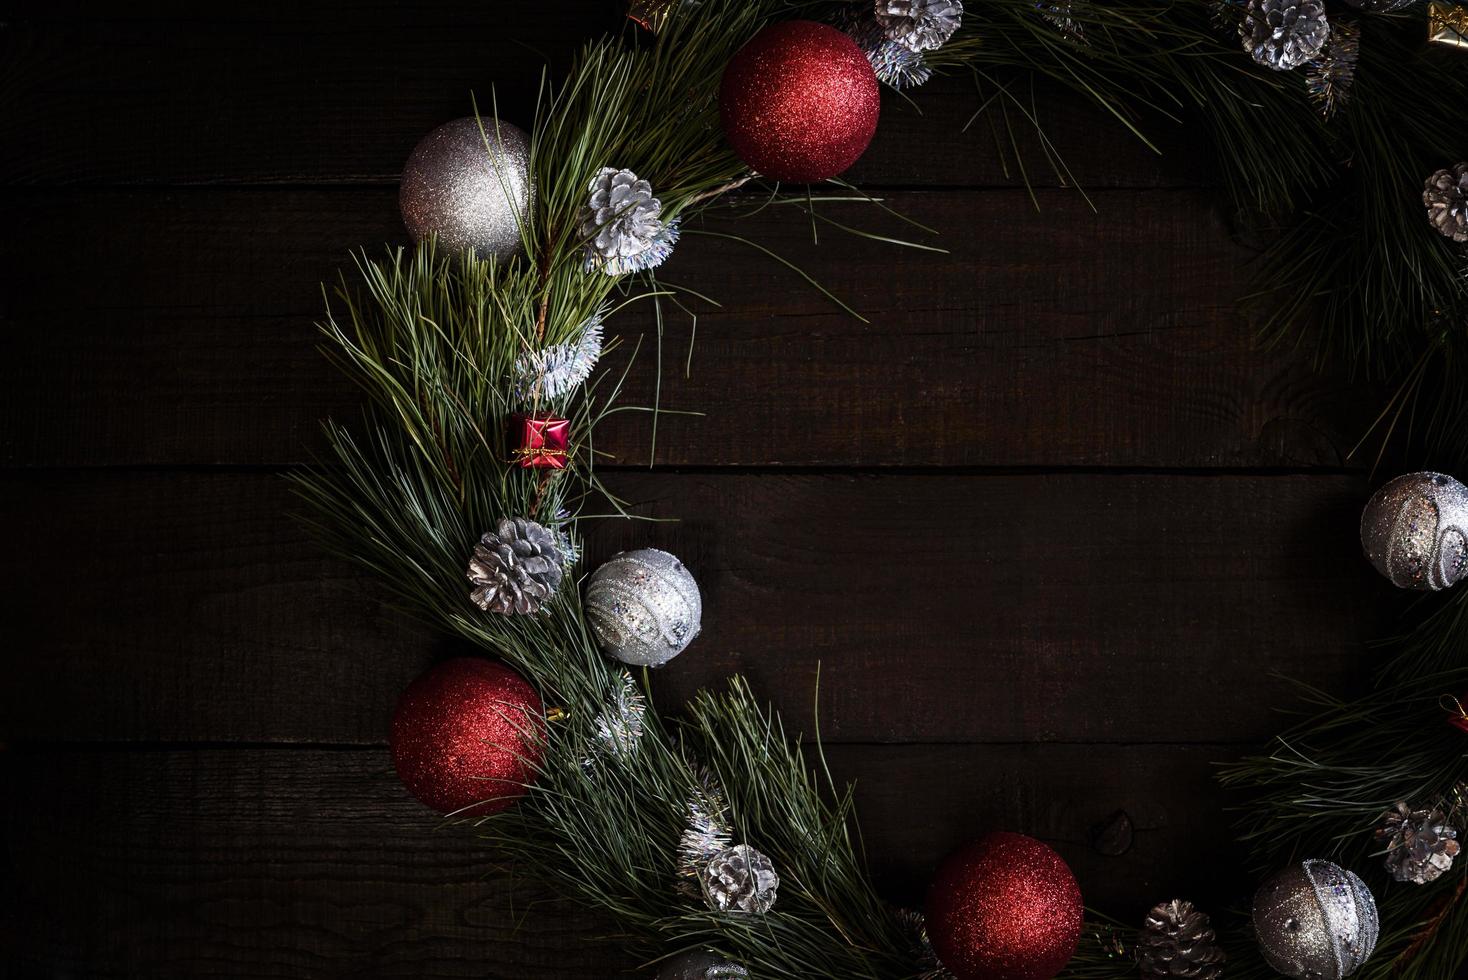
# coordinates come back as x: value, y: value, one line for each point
x: 650, y: 14
x: 1447, y: 23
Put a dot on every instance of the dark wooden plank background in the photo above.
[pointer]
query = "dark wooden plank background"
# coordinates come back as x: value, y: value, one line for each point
x: 1052, y: 527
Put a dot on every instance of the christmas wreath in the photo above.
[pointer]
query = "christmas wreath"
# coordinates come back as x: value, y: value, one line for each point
x: 711, y: 840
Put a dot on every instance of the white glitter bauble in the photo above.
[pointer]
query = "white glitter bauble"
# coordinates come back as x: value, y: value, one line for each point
x: 470, y: 187
x: 1415, y: 531
x: 1315, y: 921
x: 644, y: 607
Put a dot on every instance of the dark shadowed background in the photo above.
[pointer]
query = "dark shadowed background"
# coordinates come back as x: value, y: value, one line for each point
x: 1053, y: 529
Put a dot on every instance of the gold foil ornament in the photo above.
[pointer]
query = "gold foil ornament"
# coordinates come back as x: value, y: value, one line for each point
x: 1447, y: 23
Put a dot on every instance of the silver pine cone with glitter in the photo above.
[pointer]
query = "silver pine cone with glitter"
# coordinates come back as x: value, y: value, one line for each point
x: 1178, y: 941
x: 622, y: 224
x: 1420, y: 844
x: 1446, y: 197
x: 1284, y: 34
x: 919, y: 25
x: 515, y: 568
x: 740, y: 879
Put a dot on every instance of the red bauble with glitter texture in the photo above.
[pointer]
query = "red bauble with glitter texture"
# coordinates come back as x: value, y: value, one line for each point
x: 467, y: 737
x: 1006, y: 907
x: 799, y: 102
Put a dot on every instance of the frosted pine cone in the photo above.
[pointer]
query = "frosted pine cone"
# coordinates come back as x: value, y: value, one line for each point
x: 515, y: 568
x: 1420, y: 843
x: 623, y: 226
x: 919, y: 25
x: 1177, y: 941
x: 740, y: 879
x: 1446, y: 197
x: 1284, y: 34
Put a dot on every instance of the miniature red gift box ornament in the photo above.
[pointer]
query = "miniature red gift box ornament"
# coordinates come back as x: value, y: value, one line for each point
x: 540, y: 441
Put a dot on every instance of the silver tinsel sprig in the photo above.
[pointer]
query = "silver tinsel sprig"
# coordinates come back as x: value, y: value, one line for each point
x: 918, y: 25
x: 1380, y: 6
x: 896, y: 66
x: 1330, y: 76
x: 707, y: 832
x: 915, y: 924
x: 1284, y: 34
x: 1226, y: 15
x: 569, y: 547
x: 619, y: 724
x: 558, y: 369
x: 623, y: 226
x: 1062, y: 15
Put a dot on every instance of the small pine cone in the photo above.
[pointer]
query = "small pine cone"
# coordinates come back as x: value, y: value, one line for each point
x: 1420, y: 844
x: 1284, y: 34
x: 516, y: 568
x: 1177, y: 941
x: 1446, y: 197
x: 740, y: 879
x: 919, y: 25
x: 622, y: 224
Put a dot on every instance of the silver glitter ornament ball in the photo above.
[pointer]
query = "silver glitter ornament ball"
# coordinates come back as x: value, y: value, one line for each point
x: 644, y: 607
x: 1415, y: 531
x: 470, y: 187
x: 1315, y: 921
x: 699, y: 965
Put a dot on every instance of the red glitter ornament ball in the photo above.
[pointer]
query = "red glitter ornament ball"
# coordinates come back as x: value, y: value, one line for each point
x: 1006, y: 907
x: 467, y: 736
x: 799, y: 102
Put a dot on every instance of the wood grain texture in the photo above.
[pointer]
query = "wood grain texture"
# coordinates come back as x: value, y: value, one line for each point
x: 342, y: 93
x: 1108, y: 608
x: 1049, y: 525
x: 313, y: 862
x: 1061, y: 338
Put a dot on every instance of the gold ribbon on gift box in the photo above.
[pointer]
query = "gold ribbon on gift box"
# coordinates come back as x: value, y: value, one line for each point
x: 1447, y: 23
